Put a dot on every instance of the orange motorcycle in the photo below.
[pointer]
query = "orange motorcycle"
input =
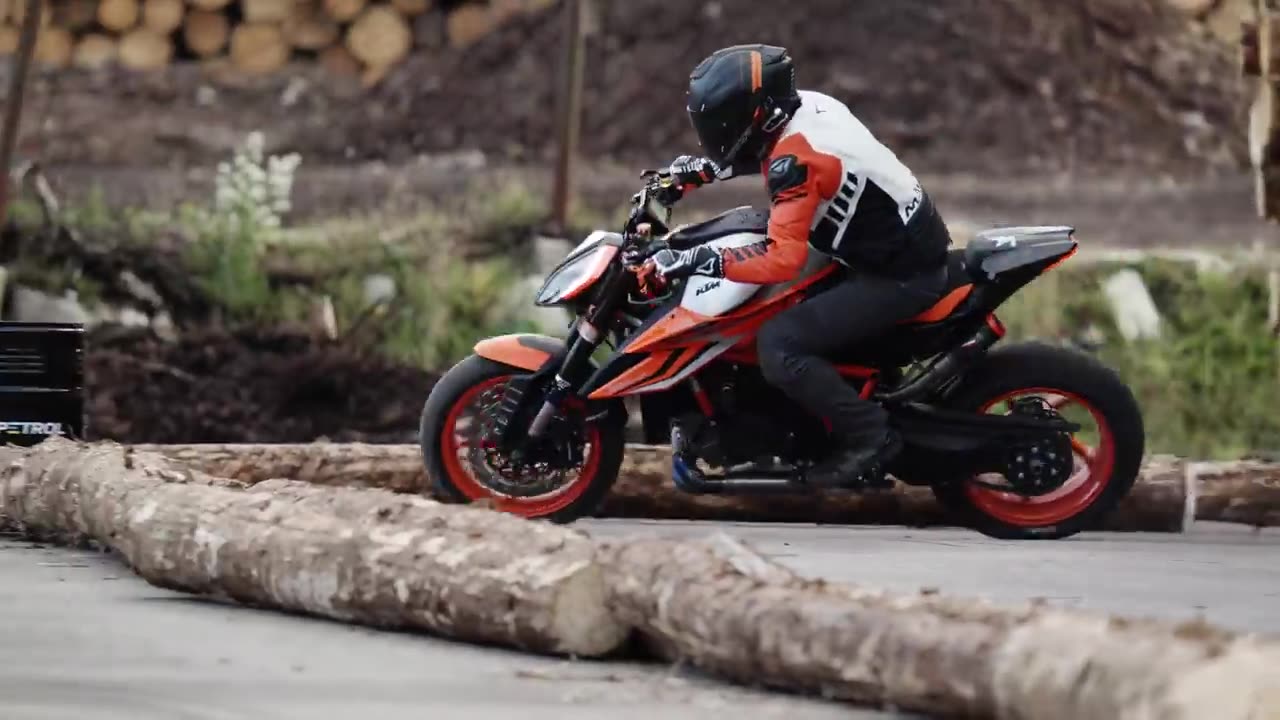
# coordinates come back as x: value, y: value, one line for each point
x: 1023, y: 440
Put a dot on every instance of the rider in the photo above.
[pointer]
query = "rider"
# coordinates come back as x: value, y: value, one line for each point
x: 833, y: 187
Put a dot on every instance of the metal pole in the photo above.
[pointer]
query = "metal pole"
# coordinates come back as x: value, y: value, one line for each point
x: 569, y: 122
x: 13, y: 102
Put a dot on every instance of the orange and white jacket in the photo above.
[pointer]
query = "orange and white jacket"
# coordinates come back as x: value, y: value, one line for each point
x: 835, y: 187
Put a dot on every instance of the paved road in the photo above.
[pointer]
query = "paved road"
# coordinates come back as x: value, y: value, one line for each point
x: 83, y: 639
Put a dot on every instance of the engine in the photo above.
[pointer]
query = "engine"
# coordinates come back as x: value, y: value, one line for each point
x: 756, y: 424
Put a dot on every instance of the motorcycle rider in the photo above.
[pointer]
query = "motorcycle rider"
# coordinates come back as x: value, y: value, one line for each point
x: 834, y: 188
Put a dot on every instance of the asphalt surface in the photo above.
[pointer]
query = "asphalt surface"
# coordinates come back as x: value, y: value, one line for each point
x: 84, y: 639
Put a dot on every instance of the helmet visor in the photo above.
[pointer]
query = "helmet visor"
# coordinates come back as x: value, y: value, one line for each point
x: 722, y: 127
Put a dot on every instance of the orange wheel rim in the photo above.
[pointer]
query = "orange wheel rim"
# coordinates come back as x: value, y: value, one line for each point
x: 1093, y: 469
x: 458, y: 455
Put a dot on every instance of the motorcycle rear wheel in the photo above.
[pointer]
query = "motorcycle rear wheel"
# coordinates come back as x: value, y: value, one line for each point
x: 1106, y: 463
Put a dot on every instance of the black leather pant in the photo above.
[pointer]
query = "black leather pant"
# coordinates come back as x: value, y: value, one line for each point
x: 793, y: 345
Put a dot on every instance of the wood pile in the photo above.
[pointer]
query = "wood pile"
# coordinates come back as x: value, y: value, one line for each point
x: 364, y: 38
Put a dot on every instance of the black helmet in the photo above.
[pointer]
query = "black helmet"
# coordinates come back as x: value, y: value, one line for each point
x: 739, y: 98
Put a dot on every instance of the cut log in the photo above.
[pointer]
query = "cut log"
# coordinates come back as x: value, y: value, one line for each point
x: 163, y: 16
x: 144, y: 49
x: 468, y: 23
x: 209, y: 5
x: 411, y: 8
x: 266, y: 11
x: 309, y: 28
x: 9, y: 39
x: 343, y: 10
x: 118, y: 15
x: 723, y: 608
x: 54, y: 46
x: 1159, y: 501
x: 1246, y: 492
x: 205, y: 32
x: 379, y: 38
x: 258, y: 48
x: 366, y: 556
x: 337, y: 60
x: 75, y: 15
x: 505, y: 9
x: 17, y: 13
x: 94, y: 50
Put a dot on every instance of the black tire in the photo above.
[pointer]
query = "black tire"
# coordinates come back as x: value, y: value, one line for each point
x: 454, y: 387
x: 1028, y: 365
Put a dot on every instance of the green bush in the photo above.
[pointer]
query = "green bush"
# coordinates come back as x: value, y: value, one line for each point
x: 1209, y: 384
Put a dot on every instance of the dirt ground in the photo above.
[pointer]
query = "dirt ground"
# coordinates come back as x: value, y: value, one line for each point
x: 996, y: 87
x: 258, y: 386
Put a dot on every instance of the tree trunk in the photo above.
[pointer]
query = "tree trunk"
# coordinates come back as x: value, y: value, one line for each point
x: 205, y: 32
x: 163, y: 16
x: 145, y: 49
x: 258, y: 48
x: 359, y: 555
x: 1157, y: 503
x: 723, y: 608
x: 118, y: 15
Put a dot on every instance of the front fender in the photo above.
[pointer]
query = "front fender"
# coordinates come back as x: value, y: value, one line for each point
x: 543, y: 353
x: 526, y: 351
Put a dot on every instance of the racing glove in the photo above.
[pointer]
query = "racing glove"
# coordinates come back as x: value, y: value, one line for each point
x: 691, y: 171
x: 701, y: 260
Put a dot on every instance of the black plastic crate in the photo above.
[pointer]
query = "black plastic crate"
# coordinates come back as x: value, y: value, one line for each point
x: 41, y: 382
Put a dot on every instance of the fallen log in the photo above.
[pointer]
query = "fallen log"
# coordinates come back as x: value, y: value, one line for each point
x: 1246, y: 491
x: 359, y: 555
x: 1159, y: 501
x: 723, y: 608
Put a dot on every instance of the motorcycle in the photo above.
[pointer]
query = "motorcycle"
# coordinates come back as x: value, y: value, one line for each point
x: 537, y: 424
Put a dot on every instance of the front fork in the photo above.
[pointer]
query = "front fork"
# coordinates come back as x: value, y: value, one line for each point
x: 582, y: 342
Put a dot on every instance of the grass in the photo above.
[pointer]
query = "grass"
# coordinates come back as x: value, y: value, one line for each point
x: 1209, y: 384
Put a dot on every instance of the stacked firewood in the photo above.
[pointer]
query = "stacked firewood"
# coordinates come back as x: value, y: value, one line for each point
x: 366, y: 37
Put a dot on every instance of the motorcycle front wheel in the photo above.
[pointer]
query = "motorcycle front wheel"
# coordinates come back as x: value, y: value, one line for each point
x: 464, y: 466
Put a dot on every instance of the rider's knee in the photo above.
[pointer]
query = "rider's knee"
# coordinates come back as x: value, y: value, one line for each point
x: 771, y: 349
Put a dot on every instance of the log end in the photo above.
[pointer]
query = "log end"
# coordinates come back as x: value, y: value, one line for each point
x: 582, y: 618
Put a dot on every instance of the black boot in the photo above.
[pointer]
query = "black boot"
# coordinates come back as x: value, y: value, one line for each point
x: 855, y: 465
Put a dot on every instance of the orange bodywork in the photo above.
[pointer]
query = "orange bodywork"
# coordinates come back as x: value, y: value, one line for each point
x: 682, y: 326
x: 943, y: 307
x: 508, y: 350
